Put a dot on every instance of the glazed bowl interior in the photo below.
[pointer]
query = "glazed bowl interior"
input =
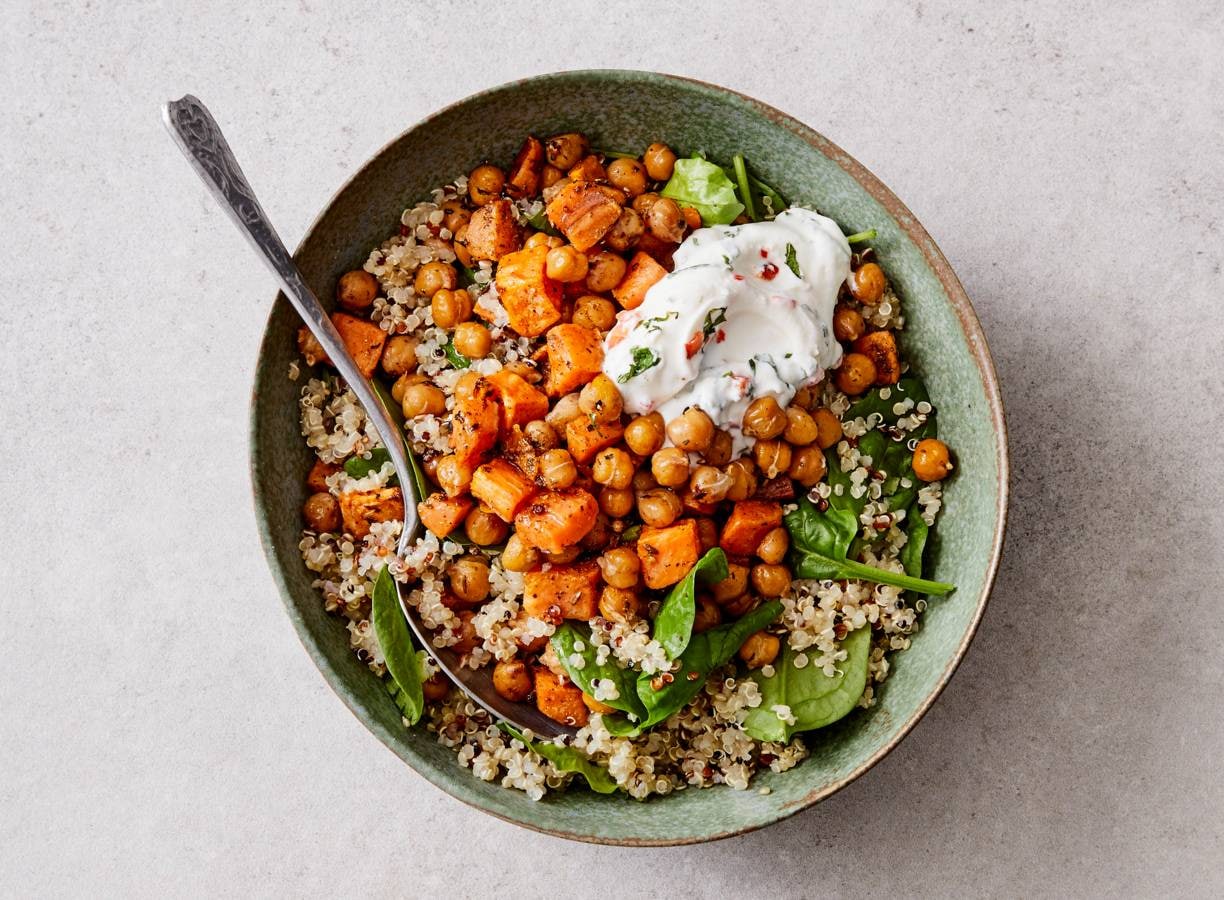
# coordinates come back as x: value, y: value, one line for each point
x: 942, y: 340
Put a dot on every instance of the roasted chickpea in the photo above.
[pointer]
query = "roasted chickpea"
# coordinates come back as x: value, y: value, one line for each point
x: 855, y: 374
x: 523, y: 370
x: 550, y: 176
x: 322, y: 512
x: 469, y: 640
x: 719, y: 451
x: 691, y: 431
x: 773, y: 546
x: 356, y: 290
x: 770, y: 580
x: 540, y: 239
x: 453, y: 476
x: 518, y: 555
x: 619, y: 605
x: 626, y: 231
x: 399, y: 355
x: 564, y: 150
x: 600, y: 535
x: 616, y: 502
x: 734, y: 585
x: 807, y: 466
x: 772, y: 457
x: 605, y: 271
x: 594, y: 312
x: 829, y: 427
x: 429, y: 464
x: 807, y: 397
x: 612, y: 467
x: 660, y: 160
x: 466, y: 384
x: 435, y: 688
x: 801, y: 428
x: 644, y: 480
x: 665, y: 221
x: 485, y: 184
x: 709, y: 484
x: 642, y: 202
x: 931, y: 460
x: 454, y: 215
x: 742, y: 605
x: 670, y: 466
x: 541, y: 435
x: 433, y: 277
x: 707, y: 616
x: 557, y: 468
x: 484, y: 527
x: 461, y: 248
x: 512, y: 679
x: 563, y: 557
x: 472, y: 340
x: 469, y: 579
x: 620, y: 567
x: 707, y: 534
x: 564, y: 410
x: 449, y: 308
x: 601, y: 400
x: 423, y: 399
x: 404, y: 382
x: 764, y: 419
x: 565, y: 264
x: 742, y: 473
x: 848, y: 324
x: 867, y: 283
x: 629, y: 175
x: 659, y: 507
x: 644, y: 435
x: 759, y: 650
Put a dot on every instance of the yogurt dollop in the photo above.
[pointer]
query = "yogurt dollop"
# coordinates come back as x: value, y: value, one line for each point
x: 747, y: 312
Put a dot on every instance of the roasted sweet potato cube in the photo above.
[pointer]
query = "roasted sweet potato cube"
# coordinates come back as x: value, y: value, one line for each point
x: 555, y: 520
x: 474, y: 422
x: 524, y: 177
x: 589, y: 168
x: 668, y: 554
x: 493, y: 231
x: 316, y: 481
x: 641, y: 273
x: 749, y: 522
x: 518, y: 450
x: 363, y: 339
x: 559, y: 699
x: 520, y: 402
x: 585, y: 438
x: 573, y: 590
x: 502, y: 487
x: 584, y: 212
x: 575, y: 356
x: 361, y: 509
x: 442, y: 514
x: 881, y: 348
x: 531, y: 299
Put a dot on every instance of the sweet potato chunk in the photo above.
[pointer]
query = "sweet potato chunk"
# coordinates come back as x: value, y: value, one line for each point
x: 640, y: 275
x: 363, y: 339
x: 524, y: 177
x: 585, y: 438
x: 474, y: 422
x: 502, y: 487
x: 493, y: 231
x: 575, y: 356
x: 573, y: 590
x: 556, y: 520
x: 585, y: 211
x: 558, y: 699
x: 520, y: 402
x: 531, y: 299
x: 518, y: 450
x: 361, y: 509
x: 442, y: 514
x: 667, y: 554
x: 316, y: 481
x: 589, y: 168
x: 881, y: 348
x: 749, y: 522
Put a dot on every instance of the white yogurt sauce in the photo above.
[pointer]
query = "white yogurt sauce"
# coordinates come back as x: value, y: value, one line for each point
x: 733, y: 321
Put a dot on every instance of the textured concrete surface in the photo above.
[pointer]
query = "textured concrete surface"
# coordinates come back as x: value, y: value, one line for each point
x: 163, y: 733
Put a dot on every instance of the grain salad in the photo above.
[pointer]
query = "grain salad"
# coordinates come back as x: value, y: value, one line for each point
x: 676, y: 476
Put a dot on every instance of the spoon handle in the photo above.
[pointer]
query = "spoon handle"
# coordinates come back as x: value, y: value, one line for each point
x: 199, y: 137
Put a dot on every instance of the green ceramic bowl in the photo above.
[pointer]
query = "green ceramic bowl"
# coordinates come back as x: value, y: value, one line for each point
x: 943, y: 340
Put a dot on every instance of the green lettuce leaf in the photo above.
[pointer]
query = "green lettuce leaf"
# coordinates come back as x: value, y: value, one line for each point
x: 706, y: 187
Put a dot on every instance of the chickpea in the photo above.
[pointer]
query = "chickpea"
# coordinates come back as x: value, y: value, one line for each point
x: 429, y: 464
x: 613, y: 467
x: 605, y: 271
x: 484, y: 527
x: 524, y: 370
x: 435, y: 688
x: 469, y: 579
x: 600, y: 535
x: 469, y: 640
x: 601, y: 400
x: 691, y: 431
x: 644, y: 480
x: 485, y: 183
x: 707, y: 534
x: 541, y: 435
x: 550, y: 176
x: 773, y: 546
x: 709, y: 485
x: 829, y: 426
x: 557, y: 468
x: 764, y: 419
x: 807, y: 397
x: 454, y: 215
x: 565, y: 264
x: 472, y: 340
x: 665, y: 220
x: 564, y: 150
x: 399, y: 355
x: 770, y: 580
x: 356, y: 290
x: 931, y: 460
x: 642, y: 202
x: 707, y: 616
x: 423, y: 399
x: 404, y: 382
x: 466, y: 384
x: 449, y: 308
x: 801, y: 428
x: 620, y: 605
x: 644, y: 435
x: 453, y: 476
x: 629, y: 175
x: 322, y: 512
x: 807, y: 466
x: 433, y: 277
x: 670, y: 466
x: 848, y: 324
x: 867, y: 283
x: 519, y: 556
x: 512, y: 680
x: 772, y: 457
x: 759, y: 650
x: 461, y: 248
x: 660, y: 159
x: 855, y: 374
x: 620, y: 567
x: 563, y: 557
x: 594, y: 312
x: 719, y: 451
x: 742, y: 605
x: 596, y: 706
x: 540, y: 239
x: 616, y: 502
x: 626, y: 231
x: 659, y: 507
x: 743, y: 479
x: 564, y: 410
x: 733, y: 586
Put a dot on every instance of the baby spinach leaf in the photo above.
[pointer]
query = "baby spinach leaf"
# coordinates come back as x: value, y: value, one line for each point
x: 361, y: 466
x: 566, y: 638
x: 396, y: 643
x: 705, y: 187
x: 673, y: 626
x: 910, y: 387
x: 815, y: 699
x: 567, y: 759
x: 456, y: 359
x: 540, y: 223
x: 792, y: 260
x: 911, y: 553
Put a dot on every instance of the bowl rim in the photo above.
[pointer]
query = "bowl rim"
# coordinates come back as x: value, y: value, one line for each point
x: 978, y: 349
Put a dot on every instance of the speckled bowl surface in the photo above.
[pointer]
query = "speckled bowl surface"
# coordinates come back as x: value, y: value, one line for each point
x: 942, y: 340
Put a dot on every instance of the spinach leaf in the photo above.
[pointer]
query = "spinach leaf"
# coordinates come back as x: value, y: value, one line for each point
x: 673, y: 626
x: 908, y: 387
x: 467, y: 277
x: 792, y: 260
x: 566, y: 638
x: 706, y: 187
x: 396, y: 643
x: 456, y: 359
x: 911, y: 553
x: 643, y: 358
x: 361, y: 466
x: 815, y: 699
x: 403, y: 699
x: 540, y: 223
x: 567, y: 759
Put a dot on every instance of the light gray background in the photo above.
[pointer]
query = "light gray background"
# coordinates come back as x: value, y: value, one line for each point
x: 162, y: 731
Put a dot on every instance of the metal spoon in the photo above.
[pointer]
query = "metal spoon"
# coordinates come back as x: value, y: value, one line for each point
x: 199, y: 137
